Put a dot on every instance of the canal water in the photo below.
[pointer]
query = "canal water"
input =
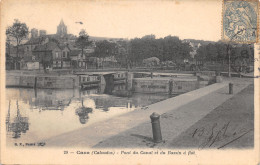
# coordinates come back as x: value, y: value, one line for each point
x: 33, y: 115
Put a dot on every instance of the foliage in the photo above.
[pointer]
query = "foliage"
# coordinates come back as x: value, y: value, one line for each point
x: 19, y: 31
x: 123, y: 53
x: 167, y: 48
x: 219, y: 52
x: 82, y: 42
x: 105, y: 49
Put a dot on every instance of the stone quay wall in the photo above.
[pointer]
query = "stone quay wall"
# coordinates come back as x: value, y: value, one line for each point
x: 49, y: 82
x: 165, y: 85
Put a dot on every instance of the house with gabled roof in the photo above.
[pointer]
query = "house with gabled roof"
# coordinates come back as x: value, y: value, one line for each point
x: 44, y: 54
x: 65, y: 57
x: 78, y: 60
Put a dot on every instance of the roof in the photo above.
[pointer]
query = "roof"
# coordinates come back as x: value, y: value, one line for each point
x: 75, y: 52
x: 47, y: 47
x: 95, y: 38
x: 63, y: 46
x: 37, y: 40
x: 40, y: 39
x: 62, y: 23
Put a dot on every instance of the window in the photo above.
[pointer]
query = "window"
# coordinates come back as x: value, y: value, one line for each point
x: 64, y: 55
x: 57, y: 55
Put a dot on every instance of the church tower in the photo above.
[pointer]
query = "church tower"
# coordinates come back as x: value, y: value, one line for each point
x: 62, y: 29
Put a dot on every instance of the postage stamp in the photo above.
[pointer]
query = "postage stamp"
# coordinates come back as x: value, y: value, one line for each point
x: 240, y: 21
x: 129, y: 82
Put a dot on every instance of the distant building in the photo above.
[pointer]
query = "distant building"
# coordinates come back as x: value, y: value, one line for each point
x: 77, y: 59
x: 29, y: 63
x: 43, y: 32
x: 34, y: 33
x: 195, y: 44
x: 65, y: 57
x: 61, y: 29
x: 51, y: 55
x: 32, y: 43
x: 54, y: 50
x: 44, y: 54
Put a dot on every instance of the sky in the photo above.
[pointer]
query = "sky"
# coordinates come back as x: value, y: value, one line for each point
x: 187, y: 19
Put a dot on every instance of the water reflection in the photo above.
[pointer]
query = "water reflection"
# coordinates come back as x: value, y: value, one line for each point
x: 83, y: 112
x: 53, y: 112
x: 18, y: 124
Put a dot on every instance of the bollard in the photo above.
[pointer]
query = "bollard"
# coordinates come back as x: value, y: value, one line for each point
x: 35, y: 82
x: 155, y: 120
x: 230, y: 88
x: 170, y: 87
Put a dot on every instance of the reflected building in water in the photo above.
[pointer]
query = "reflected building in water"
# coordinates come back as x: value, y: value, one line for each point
x: 52, y: 99
x: 63, y: 110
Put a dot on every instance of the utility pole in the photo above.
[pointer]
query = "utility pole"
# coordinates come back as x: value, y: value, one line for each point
x: 229, y: 74
x: 228, y: 53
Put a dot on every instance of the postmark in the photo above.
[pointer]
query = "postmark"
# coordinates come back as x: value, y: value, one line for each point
x: 240, y: 21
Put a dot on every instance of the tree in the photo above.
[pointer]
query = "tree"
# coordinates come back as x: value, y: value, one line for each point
x: 201, y: 53
x: 221, y: 51
x: 19, y: 31
x: 122, y: 55
x: 211, y: 52
x: 169, y: 48
x: 105, y: 49
x: 82, y: 42
x: 8, y: 45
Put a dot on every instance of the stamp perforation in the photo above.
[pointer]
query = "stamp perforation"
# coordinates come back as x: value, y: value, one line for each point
x: 243, y: 15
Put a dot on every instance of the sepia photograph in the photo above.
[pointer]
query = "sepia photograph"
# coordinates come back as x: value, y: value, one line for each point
x: 119, y: 79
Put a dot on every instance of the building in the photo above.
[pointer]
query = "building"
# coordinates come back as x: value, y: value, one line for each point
x: 65, y: 57
x: 29, y: 63
x: 43, y: 47
x: 78, y: 60
x: 44, y: 53
x: 34, y: 33
x: 43, y: 33
x: 61, y: 29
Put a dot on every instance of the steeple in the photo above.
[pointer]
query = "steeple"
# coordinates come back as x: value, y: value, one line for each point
x: 61, y: 22
x: 61, y: 28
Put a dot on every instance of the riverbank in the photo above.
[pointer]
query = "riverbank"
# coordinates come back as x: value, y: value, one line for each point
x: 211, y: 122
x: 141, y: 82
x: 231, y: 124
x: 134, y: 129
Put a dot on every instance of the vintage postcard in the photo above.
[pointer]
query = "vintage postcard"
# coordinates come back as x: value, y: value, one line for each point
x: 130, y: 82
